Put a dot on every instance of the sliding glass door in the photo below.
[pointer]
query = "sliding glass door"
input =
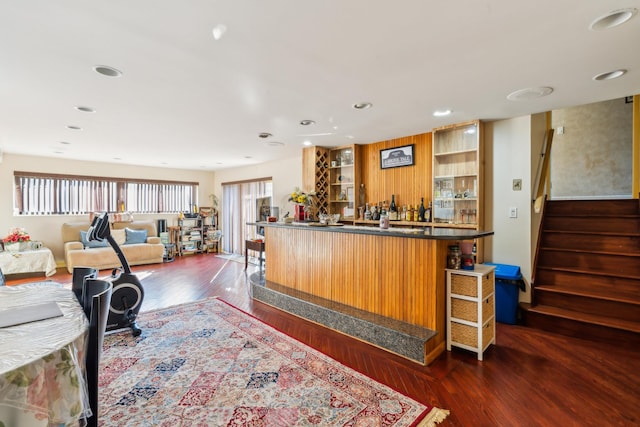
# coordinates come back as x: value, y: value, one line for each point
x: 239, y: 206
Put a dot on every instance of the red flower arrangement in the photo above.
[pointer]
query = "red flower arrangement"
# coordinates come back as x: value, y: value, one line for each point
x: 17, y: 235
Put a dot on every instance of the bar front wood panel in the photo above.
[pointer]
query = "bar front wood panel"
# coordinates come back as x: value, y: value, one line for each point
x: 400, y: 278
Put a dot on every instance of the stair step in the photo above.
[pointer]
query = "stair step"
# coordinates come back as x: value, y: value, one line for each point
x: 591, y: 252
x: 610, y: 264
x: 593, y: 207
x: 612, y: 295
x: 564, y: 322
x: 592, y: 272
x: 617, y: 224
x: 594, y: 319
x: 619, y: 243
x: 589, y: 302
x: 583, y: 279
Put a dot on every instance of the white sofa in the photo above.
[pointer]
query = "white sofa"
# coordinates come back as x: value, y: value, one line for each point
x: 101, y: 258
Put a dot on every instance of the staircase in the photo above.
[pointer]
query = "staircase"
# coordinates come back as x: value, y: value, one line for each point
x: 587, y: 272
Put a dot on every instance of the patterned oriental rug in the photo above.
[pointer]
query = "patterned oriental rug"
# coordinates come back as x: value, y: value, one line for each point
x: 210, y: 364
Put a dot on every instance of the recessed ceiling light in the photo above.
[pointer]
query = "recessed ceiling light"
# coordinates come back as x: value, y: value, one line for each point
x: 218, y: 31
x: 117, y: 158
x: 362, y: 105
x: 65, y: 143
x: 248, y: 157
x: 529, y: 93
x: 85, y: 109
x: 613, y: 19
x: 58, y: 152
x: 610, y: 75
x: 441, y: 113
x: 307, y: 122
x: 74, y: 127
x: 307, y: 143
x: 107, y: 71
x: 264, y: 135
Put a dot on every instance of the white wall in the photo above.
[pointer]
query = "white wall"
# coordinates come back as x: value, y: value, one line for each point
x: 47, y: 229
x: 510, y: 153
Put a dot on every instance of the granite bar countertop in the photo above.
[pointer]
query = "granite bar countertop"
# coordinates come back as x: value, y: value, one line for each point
x: 427, y: 232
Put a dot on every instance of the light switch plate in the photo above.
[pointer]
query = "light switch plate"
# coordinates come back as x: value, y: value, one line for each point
x: 513, y: 212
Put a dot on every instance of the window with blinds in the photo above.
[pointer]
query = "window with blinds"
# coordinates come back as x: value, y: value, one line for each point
x: 51, y: 194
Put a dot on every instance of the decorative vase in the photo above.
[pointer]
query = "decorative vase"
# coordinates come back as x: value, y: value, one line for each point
x: 299, y: 213
x: 16, y: 246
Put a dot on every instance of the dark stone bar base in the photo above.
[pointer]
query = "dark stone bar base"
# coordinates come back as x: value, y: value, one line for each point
x: 395, y: 336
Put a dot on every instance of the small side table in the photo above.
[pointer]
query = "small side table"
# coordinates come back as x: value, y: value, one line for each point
x: 31, y: 262
x: 254, y: 245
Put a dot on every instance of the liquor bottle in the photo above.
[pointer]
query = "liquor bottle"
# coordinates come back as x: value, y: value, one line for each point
x: 367, y: 212
x: 403, y: 213
x: 393, y: 209
x: 421, y: 210
x: 427, y: 215
x: 409, y: 216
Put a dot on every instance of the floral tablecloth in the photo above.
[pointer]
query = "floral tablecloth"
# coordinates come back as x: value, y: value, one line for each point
x: 42, y: 376
x: 39, y: 260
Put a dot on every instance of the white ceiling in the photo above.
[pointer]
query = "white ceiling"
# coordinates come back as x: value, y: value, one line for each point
x: 188, y: 101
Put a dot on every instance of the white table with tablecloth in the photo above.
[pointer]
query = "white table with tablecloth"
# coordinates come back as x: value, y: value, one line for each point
x: 42, y: 363
x: 34, y: 261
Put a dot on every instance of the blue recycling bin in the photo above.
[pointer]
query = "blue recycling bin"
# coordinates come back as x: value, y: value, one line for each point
x: 508, y: 284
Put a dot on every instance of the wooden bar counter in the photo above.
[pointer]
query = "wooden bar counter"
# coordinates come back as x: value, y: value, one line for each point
x: 398, y: 273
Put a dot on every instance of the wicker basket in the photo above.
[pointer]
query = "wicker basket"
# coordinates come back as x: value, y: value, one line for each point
x: 487, y: 284
x: 463, y: 284
x: 468, y: 335
x: 468, y: 310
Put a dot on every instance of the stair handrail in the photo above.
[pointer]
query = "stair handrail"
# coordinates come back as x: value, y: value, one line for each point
x: 543, y: 171
x: 534, y: 268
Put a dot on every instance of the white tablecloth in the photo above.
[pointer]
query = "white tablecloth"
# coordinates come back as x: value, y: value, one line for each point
x: 42, y: 363
x: 39, y: 260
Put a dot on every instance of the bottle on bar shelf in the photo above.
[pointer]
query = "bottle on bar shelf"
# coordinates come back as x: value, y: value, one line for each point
x: 421, y: 210
x: 393, y: 209
x: 427, y: 215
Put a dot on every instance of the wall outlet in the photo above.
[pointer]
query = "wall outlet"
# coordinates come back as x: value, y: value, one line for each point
x: 513, y: 212
x: 517, y: 185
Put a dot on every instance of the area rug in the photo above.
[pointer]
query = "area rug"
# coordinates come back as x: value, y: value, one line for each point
x: 210, y: 364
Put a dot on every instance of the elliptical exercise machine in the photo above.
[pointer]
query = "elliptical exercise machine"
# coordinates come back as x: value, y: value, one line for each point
x: 127, y: 294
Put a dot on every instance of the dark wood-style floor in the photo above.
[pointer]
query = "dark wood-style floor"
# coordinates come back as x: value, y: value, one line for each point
x: 530, y: 378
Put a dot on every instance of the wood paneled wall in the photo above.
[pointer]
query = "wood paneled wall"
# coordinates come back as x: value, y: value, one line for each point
x: 408, y: 183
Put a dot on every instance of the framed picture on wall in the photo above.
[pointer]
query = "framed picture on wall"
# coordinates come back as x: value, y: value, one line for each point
x: 396, y: 157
